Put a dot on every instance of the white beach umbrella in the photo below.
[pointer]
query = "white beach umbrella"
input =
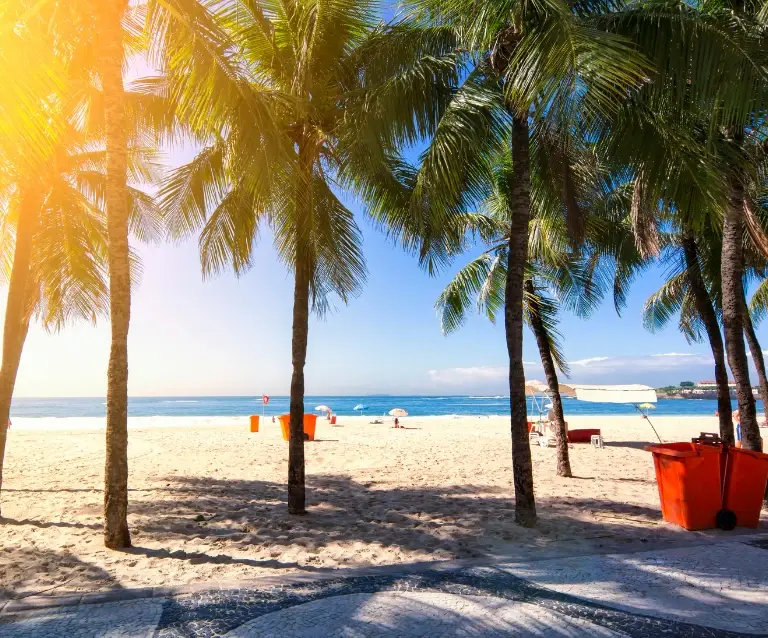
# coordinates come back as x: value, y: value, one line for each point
x: 399, y: 412
x: 323, y: 408
x: 535, y: 387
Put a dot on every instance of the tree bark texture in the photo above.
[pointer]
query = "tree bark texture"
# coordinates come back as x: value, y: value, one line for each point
x: 706, y: 312
x: 757, y: 357
x: 116, y: 534
x: 18, y: 309
x: 300, y: 334
x: 732, y: 271
x: 550, y: 371
x: 522, y: 467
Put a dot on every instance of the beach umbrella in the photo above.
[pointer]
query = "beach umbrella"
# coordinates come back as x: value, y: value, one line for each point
x: 398, y: 412
x: 324, y: 408
x: 360, y: 407
x: 535, y: 387
x: 643, y: 409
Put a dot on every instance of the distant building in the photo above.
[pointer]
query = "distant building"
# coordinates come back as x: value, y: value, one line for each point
x: 713, y: 384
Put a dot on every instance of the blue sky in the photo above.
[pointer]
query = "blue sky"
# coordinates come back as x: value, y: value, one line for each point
x: 232, y: 336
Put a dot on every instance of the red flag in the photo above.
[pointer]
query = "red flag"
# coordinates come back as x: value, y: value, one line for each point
x: 264, y: 399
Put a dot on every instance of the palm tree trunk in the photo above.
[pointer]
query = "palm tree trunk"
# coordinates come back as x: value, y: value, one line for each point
x: 17, y: 310
x: 296, y: 477
x: 522, y: 467
x: 545, y: 352
x: 757, y: 357
x: 296, y: 489
x: 731, y: 273
x: 706, y: 312
x: 116, y: 533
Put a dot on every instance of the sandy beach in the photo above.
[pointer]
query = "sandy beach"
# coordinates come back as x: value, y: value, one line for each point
x: 208, y: 503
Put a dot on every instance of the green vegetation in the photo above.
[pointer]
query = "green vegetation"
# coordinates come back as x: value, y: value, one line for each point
x: 578, y: 142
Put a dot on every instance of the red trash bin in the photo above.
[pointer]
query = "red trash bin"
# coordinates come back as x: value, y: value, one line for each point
x: 688, y: 476
x: 746, y: 474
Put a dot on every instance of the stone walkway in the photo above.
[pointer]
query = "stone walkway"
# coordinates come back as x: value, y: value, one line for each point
x: 716, y: 589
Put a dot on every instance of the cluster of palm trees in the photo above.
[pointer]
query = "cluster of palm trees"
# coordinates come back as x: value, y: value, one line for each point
x: 580, y: 141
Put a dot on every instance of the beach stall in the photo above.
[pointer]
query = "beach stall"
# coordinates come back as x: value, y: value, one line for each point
x: 641, y: 396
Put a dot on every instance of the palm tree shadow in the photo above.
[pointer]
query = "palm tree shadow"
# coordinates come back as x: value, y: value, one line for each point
x: 460, y: 521
x: 47, y: 524
x: 196, y: 558
x: 35, y: 571
x: 632, y: 445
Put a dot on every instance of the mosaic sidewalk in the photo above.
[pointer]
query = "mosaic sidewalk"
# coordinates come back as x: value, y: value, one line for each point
x: 717, y: 590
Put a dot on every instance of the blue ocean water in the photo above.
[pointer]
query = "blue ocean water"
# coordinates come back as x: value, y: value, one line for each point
x: 52, y: 408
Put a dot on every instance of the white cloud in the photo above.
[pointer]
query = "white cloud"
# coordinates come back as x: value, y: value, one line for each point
x: 473, y: 375
x: 589, y: 361
x: 655, y: 369
x: 458, y: 376
x: 677, y: 354
x: 651, y: 362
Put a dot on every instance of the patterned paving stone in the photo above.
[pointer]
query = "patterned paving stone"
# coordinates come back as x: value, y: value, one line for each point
x: 724, y: 585
x: 216, y: 613
x: 717, y: 590
x: 415, y: 614
x: 134, y: 619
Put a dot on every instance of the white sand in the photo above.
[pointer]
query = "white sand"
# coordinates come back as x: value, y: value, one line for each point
x: 438, y: 490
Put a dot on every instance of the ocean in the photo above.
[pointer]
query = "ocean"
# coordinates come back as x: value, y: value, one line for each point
x: 88, y: 413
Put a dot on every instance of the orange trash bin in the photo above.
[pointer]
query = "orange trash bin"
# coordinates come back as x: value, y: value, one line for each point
x: 688, y: 477
x: 333, y: 420
x: 254, y: 423
x: 310, y: 421
x: 746, y: 474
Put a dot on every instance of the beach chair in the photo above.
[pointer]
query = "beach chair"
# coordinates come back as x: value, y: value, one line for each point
x: 542, y: 434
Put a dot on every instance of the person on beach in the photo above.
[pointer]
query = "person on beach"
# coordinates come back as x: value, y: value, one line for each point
x: 738, y: 427
x: 397, y: 422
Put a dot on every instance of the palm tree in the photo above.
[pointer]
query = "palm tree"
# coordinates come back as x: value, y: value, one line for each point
x: 92, y: 46
x: 289, y: 101
x: 110, y: 43
x: 551, y: 269
x: 30, y: 73
x: 54, y: 238
x: 708, y: 92
x: 528, y: 60
x: 481, y: 282
x: 692, y: 290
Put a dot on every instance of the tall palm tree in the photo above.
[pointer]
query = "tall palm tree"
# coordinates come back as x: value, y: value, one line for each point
x: 692, y: 290
x: 93, y: 45
x: 54, y: 241
x: 556, y: 276
x: 481, y: 284
x: 533, y: 64
x: 290, y: 100
x: 111, y: 52
x: 551, y: 268
x: 710, y: 62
